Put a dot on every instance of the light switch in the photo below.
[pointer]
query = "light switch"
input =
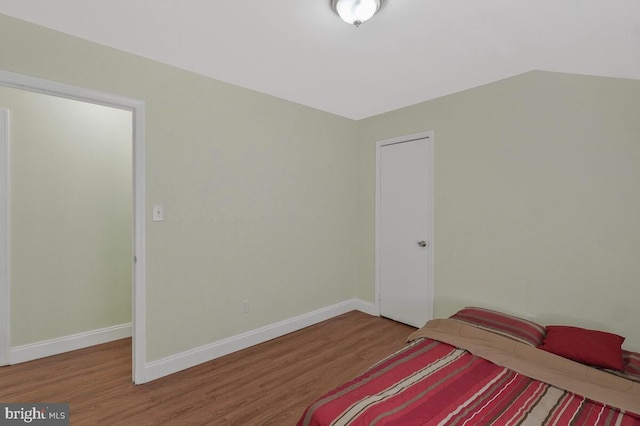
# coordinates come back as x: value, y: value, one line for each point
x: 158, y: 213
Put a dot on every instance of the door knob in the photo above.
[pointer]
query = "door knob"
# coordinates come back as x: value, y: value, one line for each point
x: 422, y: 243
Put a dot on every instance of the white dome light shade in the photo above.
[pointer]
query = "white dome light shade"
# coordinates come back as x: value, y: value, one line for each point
x: 356, y: 11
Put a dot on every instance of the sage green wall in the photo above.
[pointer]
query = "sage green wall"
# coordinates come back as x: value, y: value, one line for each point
x: 71, y: 216
x: 266, y: 200
x: 537, y: 198
x: 259, y: 193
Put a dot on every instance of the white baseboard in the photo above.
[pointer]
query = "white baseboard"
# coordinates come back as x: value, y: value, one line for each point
x: 172, y: 364
x: 366, y: 307
x: 60, y: 345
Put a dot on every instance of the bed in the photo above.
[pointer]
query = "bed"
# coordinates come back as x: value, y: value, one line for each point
x: 483, y: 367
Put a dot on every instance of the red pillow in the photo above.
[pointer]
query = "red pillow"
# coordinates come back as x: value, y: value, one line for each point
x: 516, y: 328
x: 631, y: 366
x: 591, y: 347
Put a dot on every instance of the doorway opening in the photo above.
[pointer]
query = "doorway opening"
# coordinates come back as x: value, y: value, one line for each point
x: 132, y: 110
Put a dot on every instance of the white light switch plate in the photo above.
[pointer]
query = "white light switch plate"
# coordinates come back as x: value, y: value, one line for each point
x: 158, y: 213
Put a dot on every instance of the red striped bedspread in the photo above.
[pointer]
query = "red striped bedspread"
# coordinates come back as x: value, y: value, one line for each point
x: 433, y: 383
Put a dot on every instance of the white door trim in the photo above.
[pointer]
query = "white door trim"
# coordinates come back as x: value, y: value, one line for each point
x: 137, y: 107
x: 5, y: 337
x: 400, y: 139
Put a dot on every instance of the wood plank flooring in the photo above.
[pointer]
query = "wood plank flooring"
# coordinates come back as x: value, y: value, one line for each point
x: 268, y: 384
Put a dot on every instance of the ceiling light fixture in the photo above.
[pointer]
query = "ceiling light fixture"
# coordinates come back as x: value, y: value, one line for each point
x: 356, y: 12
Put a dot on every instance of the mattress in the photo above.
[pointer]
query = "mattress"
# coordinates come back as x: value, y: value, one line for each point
x: 453, y: 373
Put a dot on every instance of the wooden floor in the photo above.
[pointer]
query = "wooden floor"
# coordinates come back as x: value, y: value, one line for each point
x: 268, y: 384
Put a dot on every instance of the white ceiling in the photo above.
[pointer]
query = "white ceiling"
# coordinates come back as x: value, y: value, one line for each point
x: 412, y: 51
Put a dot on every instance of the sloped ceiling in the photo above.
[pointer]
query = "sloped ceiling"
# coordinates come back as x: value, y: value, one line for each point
x: 412, y: 51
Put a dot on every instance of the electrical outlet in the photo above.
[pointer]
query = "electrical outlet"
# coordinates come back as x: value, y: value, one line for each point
x: 244, y: 307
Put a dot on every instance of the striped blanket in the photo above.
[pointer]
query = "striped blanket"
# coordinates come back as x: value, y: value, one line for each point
x: 433, y: 383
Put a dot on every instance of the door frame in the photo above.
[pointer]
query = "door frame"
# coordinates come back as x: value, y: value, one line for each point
x: 429, y: 135
x: 5, y: 338
x: 137, y: 107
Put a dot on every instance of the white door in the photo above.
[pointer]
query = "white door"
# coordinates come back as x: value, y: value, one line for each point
x: 404, y: 224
